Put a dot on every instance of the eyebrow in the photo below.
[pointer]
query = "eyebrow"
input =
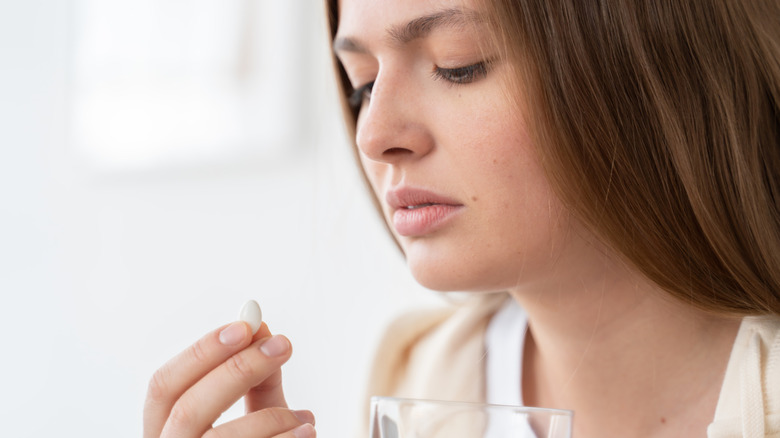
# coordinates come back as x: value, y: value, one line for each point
x: 417, y: 28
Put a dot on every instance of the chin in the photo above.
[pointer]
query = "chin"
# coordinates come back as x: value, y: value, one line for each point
x: 444, y: 275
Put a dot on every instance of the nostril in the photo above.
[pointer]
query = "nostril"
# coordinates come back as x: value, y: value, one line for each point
x: 392, y: 152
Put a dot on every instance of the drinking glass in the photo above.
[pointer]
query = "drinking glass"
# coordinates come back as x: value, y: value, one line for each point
x: 411, y: 418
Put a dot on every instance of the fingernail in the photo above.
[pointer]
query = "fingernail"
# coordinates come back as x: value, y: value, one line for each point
x: 304, y: 416
x: 276, y: 345
x: 233, y: 334
x: 304, y: 431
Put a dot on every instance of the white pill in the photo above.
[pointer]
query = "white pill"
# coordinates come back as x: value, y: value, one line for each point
x: 252, y: 315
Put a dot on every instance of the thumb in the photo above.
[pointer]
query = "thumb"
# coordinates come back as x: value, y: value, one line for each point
x: 269, y: 392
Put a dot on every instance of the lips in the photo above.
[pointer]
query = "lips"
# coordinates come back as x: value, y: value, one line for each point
x: 418, y: 212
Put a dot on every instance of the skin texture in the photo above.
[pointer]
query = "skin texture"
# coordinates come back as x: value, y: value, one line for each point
x: 189, y: 393
x: 462, y: 141
x: 603, y: 340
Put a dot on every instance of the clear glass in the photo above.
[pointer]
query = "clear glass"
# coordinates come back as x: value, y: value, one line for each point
x: 410, y: 418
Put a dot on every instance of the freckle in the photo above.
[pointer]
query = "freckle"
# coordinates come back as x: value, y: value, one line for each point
x: 474, y: 198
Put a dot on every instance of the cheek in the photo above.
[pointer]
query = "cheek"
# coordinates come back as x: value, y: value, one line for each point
x: 519, y: 212
x: 519, y: 190
x: 503, y: 160
x: 374, y: 172
x: 377, y: 174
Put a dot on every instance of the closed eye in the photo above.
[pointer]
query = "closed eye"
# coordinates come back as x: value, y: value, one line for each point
x: 458, y: 75
x: 360, y: 94
x: 462, y: 75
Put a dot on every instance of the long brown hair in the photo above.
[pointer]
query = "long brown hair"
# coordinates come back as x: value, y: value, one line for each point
x: 658, y: 124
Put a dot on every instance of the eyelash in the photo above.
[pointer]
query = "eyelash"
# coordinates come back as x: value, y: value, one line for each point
x: 360, y: 94
x: 462, y: 75
x: 454, y: 76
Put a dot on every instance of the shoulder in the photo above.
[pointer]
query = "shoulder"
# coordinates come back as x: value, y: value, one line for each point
x: 435, y: 353
x: 749, y: 403
x: 766, y: 327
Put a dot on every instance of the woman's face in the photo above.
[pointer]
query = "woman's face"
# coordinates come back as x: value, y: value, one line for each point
x: 445, y: 150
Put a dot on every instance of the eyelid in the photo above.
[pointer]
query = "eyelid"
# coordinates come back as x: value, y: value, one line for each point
x: 360, y: 93
x: 465, y: 74
x: 455, y: 76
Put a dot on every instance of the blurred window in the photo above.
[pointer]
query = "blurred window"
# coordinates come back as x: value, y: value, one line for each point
x: 160, y: 83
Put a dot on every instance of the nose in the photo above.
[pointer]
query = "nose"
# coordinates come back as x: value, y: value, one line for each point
x: 391, y: 127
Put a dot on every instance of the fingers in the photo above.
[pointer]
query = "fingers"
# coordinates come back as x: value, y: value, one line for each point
x: 188, y: 367
x: 302, y: 431
x: 200, y: 405
x: 271, y: 422
x: 189, y: 393
x: 262, y: 333
x: 269, y: 392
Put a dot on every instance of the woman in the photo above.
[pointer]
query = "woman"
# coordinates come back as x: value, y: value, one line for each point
x: 612, y: 166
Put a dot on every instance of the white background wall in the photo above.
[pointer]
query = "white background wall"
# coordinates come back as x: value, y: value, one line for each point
x: 104, y: 276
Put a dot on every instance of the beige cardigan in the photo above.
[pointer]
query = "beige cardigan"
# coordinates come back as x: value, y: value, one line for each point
x: 440, y: 354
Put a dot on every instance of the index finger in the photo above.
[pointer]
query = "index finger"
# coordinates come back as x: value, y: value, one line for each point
x: 185, y: 369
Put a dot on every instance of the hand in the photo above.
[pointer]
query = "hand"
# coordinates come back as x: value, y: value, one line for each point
x: 189, y: 393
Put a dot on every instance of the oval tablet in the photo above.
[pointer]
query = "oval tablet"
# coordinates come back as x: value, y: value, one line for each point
x: 252, y: 315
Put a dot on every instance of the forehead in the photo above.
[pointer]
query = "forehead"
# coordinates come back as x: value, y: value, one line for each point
x: 373, y: 19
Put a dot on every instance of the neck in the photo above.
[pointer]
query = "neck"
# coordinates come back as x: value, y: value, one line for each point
x: 626, y: 357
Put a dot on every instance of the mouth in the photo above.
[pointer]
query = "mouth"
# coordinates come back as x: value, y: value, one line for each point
x: 411, y: 198
x: 418, y: 212
x: 415, y: 207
